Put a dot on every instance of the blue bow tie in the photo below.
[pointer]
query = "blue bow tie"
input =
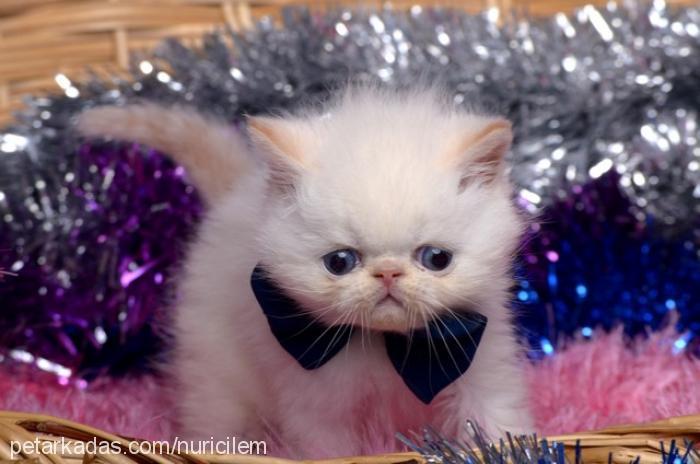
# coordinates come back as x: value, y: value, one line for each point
x: 428, y: 362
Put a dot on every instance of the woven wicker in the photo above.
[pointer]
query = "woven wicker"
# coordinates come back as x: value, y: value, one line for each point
x: 623, y: 443
x: 39, y: 38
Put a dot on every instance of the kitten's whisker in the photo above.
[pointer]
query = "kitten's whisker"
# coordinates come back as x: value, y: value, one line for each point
x: 444, y: 342
x: 459, y: 320
x: 430, y: 358
x: 462, y: 298
x: 314, y: 314
x: 459, y: 343
x: 357, y: 312
x: 339, y: 334
x: 433, y: 349
x: 331, y: 326
x: 411, y: 321
x: 367, y: 305
x: 354, y: 312
x: 365, y: 329
x: 291, y: 316
x: 307, y: 327
x: 349, y: 326
x: 362, y: 330
x: 447, y: 347
x: 314, y: 319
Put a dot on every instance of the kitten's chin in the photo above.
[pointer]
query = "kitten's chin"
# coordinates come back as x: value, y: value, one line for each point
x: 389, y: 315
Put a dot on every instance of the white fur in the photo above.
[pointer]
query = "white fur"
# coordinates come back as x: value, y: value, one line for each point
x: 376, y: 175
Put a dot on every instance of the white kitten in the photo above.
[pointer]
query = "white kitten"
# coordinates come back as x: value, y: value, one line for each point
x: 380, y: 174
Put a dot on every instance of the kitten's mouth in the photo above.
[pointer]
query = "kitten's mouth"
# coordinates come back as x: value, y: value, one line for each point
x: 389, y: 313
x: 389, y: 299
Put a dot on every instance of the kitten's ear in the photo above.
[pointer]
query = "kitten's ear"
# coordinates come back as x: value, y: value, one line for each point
x: 480, y: 155
x: 284, y: 144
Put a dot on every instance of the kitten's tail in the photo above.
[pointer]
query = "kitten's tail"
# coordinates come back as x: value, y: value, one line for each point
x: 214, y: 154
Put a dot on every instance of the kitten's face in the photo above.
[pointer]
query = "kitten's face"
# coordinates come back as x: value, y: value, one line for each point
x: 385, y: 226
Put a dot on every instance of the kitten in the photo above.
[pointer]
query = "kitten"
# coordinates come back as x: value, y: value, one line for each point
x: 383, y: 211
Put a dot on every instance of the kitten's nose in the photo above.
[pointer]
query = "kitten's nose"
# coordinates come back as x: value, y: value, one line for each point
x: 388, y: 275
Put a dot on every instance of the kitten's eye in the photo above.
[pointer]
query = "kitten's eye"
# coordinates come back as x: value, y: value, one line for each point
x: 341, y: 262
x: 433, y: 258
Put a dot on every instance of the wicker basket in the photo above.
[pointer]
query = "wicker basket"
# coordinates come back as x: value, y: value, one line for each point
x: 623, y: 444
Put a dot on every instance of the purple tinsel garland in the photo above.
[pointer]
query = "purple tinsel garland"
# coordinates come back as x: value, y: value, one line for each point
x: 125, y: 217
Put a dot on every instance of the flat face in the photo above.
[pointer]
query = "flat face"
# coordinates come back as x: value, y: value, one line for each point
x: 384, y: 180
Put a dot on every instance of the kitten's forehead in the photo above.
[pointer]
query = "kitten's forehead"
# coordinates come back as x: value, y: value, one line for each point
x: 377, y: 219
x: 379, y: 167
x: 383, y: 187
x: 416, y: 129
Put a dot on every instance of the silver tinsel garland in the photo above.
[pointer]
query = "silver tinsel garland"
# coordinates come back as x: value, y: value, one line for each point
x: 584, y: 91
